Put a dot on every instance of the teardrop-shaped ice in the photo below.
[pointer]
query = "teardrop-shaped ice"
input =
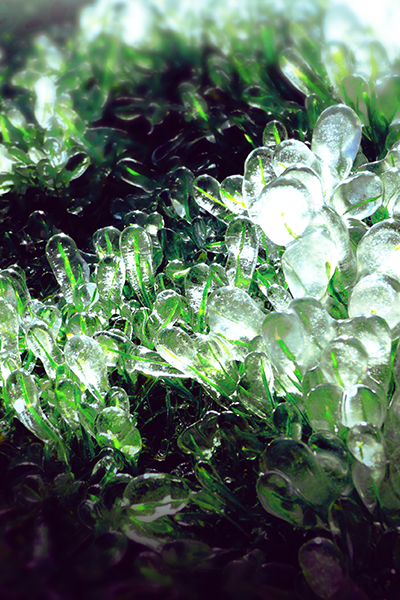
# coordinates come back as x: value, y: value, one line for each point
x: 285, y: 341
x: 279, y: 297
x: 286, y: 208
x: 274, y: 134
x: 365, y: 443
x: 197, y: 288
x: 296, y: 461
x: 206, y: 191
x: 137, y: 253
x: 379, y: 250
x: 310, y: 179
x: 115, y: 429
x: 85, y: 358
x: 45, y: 91
x: 106, y: 241
x: 299, y: 73
x: 117, y: 396
x: 335, y: 141
x: 279, y: 497
x: 338, y: 62
x: 166, y: 311
x: 67, y: 264
x: 68, y: 395
x: 15, y: 276
x: 373, y: 332
x: 309, y: 263
x: 242, y: 244
x: 23, y: 395
x: 377, y: 295
x: 110, y: 279
x: 357, y: 196
x: 231, y: 193
x: 139, y: 359
x: 344, y: 361
x: 9, y: 329
x: 256, y: 385
x: 258, y: 172
x: 360, y: 405
x: 292, y: 153
x: 178, y: 349
x: 335, y: 579
x: 322, y: 405
x: 234, y: 314
x: 40, y: 341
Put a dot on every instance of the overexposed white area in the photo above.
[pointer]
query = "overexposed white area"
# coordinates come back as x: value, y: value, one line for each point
x: 382, y: 19
x: 133, y: 20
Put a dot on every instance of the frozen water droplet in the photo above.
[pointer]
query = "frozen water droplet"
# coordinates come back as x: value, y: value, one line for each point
x: 44, y: 313
x: 234, y: 315
x: 324, y: 567
x: 309, y: 263
x: 333, y: 458
x: 278, y: 497
x: 110, y: 280
x: 68, y: 396
x: 286, y: 208
x: 68, y: 266
x: 137, y: 253
x: 200, y: 281
x: 338, y: 62
x: 258, y: 172
x: 285, y: 340
x: 296, y: 461
x: 41, y: 343
x: 299, y: 73
x: 292, y: 153
x: 207, y: 194
x: 45, y: 91
x: 85, y: 358
x: 23, y: 396
x: 357, y: 196
x: 231, y: 193
x: 274, y: 134
x: 344, y: 361
x: 315, y: 319
x: 9, y: 329
x: 115, y: 429
x: 106, y: 241
x: 177, y: 348
x: 377, y: 295
x: 85, y: 323
x: 373, y: 332
x: 310, y: 179
x: 241, y: 242
x: 117, y: 396
x: 323, y: 404
x: 148, y: 362
x: 361, y: 405
x: 335, y: 141
x: 378, y: 250
x: 365, y: 443
x: 256, y: 385
x: 201, y: 438
x: 153, y: 495
x: 278, y: 297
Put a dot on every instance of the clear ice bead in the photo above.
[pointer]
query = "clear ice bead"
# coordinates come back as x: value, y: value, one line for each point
x: 68, y: 266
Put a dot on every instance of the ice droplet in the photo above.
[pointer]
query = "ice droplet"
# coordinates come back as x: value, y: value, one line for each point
x: 286, y: 208
x: 85, y: 358
x: 68, y: 266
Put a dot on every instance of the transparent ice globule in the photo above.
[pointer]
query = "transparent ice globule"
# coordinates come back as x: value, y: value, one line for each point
x: 286, y: 207
x: 67, y: 264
